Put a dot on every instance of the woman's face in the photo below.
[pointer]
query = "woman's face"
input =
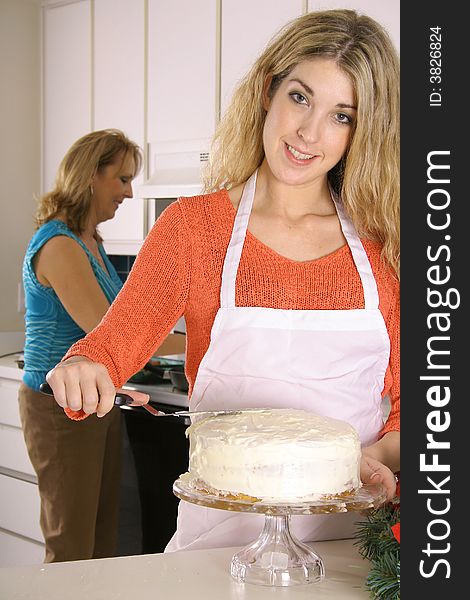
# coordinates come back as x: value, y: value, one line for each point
x: 111, y: 185
x: 309, y: 122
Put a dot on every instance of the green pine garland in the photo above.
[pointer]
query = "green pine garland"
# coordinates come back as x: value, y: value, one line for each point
x: 376, y: 542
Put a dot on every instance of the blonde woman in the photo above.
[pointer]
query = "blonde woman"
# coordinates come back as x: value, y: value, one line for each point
x: 296, y: 238
x: 69, y: 284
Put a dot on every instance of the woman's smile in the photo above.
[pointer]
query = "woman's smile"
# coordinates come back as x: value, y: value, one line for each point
x: 299, y: 157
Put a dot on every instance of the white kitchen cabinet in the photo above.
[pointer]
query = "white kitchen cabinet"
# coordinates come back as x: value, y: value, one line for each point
x: 182, y: 74
x: 21, y: 540
x: 17, y: 551
x: 119, y: 102
x: 94, y: 78
x: 125, y: 233
x: 66, y: 81
x: 386, y: 13
x: 13, y: 453
x: 246, y: 28
x: 20, y: 499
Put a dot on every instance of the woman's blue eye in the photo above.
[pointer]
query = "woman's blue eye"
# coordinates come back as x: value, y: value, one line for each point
x: 298, y: 97
x: 343, y: 118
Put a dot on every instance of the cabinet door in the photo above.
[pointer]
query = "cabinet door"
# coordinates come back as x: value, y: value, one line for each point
x: 17, y: 551
x: 119, y: 85
x: 9, y: 412
x: 181, y: 70
x: 386, y: 13
x: 21, y: 507
x: 247, y: 26
x: 13, y: 453
x: 66, y: 81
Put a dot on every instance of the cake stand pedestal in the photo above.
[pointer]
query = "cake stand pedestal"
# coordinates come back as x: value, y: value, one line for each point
x: 277, y: 557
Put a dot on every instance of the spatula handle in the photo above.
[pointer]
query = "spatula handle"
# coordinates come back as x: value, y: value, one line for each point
x: 120, y: 399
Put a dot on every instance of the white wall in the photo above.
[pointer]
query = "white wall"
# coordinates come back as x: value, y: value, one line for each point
x: 19, y: 146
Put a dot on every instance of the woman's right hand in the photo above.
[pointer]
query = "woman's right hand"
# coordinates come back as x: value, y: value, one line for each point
x: 79, y: 383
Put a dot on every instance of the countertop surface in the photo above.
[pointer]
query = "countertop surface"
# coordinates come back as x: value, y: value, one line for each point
x: 197, y: 574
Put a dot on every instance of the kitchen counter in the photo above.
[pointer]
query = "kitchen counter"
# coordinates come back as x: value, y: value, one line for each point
x: 197, y: 574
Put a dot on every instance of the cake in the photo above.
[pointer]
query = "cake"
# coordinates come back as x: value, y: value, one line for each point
x: 274, y: 454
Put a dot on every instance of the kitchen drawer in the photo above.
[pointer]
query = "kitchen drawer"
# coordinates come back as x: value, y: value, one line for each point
x: 13, y: 453
x: 20, y: 507
x: 17, y: 551
x: 9, y: 413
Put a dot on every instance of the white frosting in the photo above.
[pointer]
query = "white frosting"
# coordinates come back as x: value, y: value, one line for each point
x: 275, y: 454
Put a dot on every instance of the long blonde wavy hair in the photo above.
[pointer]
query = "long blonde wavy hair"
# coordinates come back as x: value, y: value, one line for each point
x: 72, y: 195
x: 367, y: 177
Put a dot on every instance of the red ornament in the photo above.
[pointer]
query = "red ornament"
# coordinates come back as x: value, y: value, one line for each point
x: 396, y: 531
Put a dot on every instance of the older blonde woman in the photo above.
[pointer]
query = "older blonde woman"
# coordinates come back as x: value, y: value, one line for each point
x: 69, y: 285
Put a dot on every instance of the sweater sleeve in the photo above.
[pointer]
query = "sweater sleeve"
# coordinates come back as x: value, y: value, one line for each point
x: 149, y: 304
x: 392, y: 378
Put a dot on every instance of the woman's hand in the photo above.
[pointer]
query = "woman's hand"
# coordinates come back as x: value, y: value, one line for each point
x: 79, y: 383
x: 373, y: 471
x: 381, y: 460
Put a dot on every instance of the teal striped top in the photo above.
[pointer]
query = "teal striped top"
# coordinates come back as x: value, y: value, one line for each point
x: 50, y: 330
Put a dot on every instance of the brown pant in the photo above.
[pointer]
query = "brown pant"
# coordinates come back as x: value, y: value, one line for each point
x: 78, y: 465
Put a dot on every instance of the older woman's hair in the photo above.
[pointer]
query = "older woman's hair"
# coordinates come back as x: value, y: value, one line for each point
x: 72, y: 192
x: 367, y: 178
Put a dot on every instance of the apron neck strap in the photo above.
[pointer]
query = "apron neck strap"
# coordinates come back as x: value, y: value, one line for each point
x: 369, y: 285
x: 237, y: 240
x: 235, y: 247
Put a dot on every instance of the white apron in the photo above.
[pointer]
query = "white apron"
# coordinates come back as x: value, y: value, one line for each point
x: 331, y: 362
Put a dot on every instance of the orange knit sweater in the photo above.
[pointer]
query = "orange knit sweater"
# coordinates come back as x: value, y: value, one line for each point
x: 178, y: 271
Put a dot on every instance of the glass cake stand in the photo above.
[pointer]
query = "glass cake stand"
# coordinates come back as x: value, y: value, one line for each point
x: 277, y: 557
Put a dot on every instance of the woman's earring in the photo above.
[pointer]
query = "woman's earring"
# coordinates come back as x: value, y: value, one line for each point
x: 91, y: 189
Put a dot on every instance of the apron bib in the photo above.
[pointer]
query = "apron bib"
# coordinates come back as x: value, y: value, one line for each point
x: 331, y: 362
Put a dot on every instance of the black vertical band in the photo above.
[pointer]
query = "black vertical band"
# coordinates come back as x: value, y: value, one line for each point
x: 434, y: 324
